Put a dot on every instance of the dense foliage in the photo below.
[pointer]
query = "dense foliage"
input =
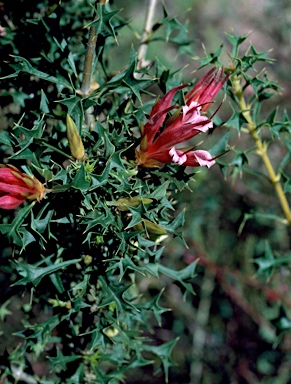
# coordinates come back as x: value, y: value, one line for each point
x: 84, y: 269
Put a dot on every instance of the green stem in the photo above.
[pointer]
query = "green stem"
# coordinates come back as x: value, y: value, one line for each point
x: 43, y: 143
x: 261, y: 148
x: 59, y: 188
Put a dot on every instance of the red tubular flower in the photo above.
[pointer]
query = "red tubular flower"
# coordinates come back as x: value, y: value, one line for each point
x: 160, y: 135
x: 16, y: 187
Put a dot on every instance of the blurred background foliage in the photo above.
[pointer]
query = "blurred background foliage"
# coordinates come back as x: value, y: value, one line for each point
x: 231, y: 330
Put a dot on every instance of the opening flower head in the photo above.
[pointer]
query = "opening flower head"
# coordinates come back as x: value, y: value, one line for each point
x: 161, y: 134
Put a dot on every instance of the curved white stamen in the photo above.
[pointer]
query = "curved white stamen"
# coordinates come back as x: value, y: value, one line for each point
x: 178, y: 158
x: 191, y: 112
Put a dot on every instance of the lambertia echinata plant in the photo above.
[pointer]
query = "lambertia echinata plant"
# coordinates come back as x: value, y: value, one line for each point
x: 87, y: 197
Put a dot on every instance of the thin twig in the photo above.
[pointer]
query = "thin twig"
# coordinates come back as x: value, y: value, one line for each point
x: 90, y: 53
x: 87, y: 73
x: 224, y: 273
x: 201, y: 320
x: 261, y: 148
x: 142, y: 51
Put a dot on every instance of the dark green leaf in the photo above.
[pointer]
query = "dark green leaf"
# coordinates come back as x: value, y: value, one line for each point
x: 164, y: 352
x: 25, y: 66
x: 44, y: 103
x: 33, y: 274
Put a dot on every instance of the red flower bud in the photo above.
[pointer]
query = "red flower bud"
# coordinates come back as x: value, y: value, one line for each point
x: 16, y: 187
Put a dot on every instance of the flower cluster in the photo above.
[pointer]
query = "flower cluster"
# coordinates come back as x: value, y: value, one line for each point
x: 160, y: 134
x: 17, y: 187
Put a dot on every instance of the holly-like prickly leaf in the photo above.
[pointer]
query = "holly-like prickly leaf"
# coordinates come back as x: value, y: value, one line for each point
x: 33, y: 274
x: 164, y: 352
